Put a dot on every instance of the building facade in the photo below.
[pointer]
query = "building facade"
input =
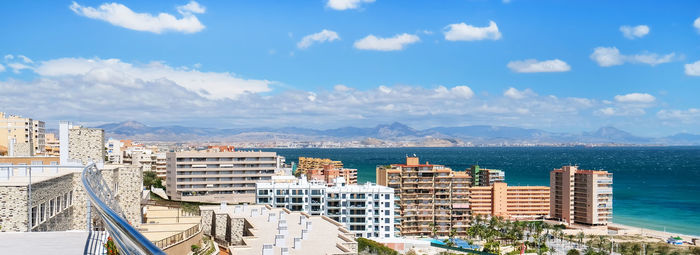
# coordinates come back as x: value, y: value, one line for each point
x: 201, y: 176
x: 21, y: 136
x: 581, y: 196
x: 512, y: 202
x: 486, y: 177
x: 58, y: 199
x: 86, y: 144
x: 426, y: 197
x: 366, y: 210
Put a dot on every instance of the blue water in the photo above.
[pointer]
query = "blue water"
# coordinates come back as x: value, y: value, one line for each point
x: 654, y: 187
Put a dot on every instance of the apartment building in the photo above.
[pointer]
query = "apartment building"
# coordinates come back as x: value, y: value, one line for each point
x: 513, y: 202
x: 161, y: 165
x: 366, y: 210
x: 52, y: 147
x: 581, y: 196
x: 329, y: 173
x: 306, y: 164
x: 21, y: 136
x: 486, y: 177
x: 427, y: 196
x: 201, y: 176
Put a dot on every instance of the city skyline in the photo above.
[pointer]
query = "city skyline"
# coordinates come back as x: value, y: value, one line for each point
x: 559, y: 67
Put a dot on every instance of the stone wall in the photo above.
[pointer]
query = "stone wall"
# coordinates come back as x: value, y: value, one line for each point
x: 224, y: 228
x: 13, y: 209
x: 86, y: 144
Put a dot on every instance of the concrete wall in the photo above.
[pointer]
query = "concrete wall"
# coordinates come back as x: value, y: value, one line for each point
x: 186, y: 246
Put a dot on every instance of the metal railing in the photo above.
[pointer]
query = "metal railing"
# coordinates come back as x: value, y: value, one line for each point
x: 127, y: 238
x: 177, y: 238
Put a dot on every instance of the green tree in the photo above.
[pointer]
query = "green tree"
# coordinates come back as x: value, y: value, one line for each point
x: 580, y: 237
x: 573, y: 252
x: 151, y: 179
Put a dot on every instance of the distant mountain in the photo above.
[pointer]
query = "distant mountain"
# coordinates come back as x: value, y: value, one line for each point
x: 391, y: 134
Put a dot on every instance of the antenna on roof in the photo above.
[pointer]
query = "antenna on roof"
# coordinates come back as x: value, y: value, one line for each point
x: 414, y: 154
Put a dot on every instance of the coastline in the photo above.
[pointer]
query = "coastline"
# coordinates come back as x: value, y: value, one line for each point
x: 632, y: 230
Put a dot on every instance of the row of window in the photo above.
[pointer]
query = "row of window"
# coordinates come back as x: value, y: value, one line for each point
x: 44, y: 211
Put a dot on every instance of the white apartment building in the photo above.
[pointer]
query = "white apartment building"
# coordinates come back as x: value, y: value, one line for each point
x: 366, y: 210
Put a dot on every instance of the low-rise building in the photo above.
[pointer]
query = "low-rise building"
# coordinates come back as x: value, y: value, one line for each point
x: 55, y: 199
x: 262, y: 229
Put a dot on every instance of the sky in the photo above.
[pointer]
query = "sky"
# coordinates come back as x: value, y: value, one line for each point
x: 562, y: 66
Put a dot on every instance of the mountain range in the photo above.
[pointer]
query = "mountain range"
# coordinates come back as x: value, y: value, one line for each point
x: 390, y: 134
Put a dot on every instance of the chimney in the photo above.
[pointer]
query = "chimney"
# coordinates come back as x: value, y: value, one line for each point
x: 282, y: 230
x: 304, y: 234
x: 284, y: 251
x: 297, y: 243
x: 271, y: 217
x: 302, y: 220
x: 267, y: 249
x: 253, y: 212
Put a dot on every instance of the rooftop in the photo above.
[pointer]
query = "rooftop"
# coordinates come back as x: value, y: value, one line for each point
x: 324, y: 236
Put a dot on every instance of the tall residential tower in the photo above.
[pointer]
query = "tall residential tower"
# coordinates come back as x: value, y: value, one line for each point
x: 581, y: 196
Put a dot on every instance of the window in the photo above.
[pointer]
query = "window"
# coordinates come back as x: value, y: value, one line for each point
x: 386, y: 196
x: 65, y: 201
x: 386, y: 204
x: 386, y: 220
x: 386, y: 212
x: 58, y: 204
x: 52, y: 207
x: 70, y: 198
x: 386, y: 228
x: 42, y: 211
x: 34, y: 216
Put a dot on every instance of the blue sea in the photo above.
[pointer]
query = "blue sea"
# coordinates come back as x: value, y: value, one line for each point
x: 654, y: 187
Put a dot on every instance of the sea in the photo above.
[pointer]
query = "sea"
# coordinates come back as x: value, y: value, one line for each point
x: 653, y: 187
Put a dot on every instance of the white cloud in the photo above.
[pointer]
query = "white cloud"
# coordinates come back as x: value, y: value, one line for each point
x: 2, y: 68
x: 320, y: 37
x: 191, y: 7
x: 680, y: 115
x: 518, y: 94
x: 398, y: 42
x: 9, y: 57
x: 693, y: 69
x: 342, y: 5
x: 465, y: 32
x: 18, y: 67
x: 635, y: 98
x: 632, y: 33
x: 24, y: 59
x: 210, y: 85
x: 625, y: 111
x: 120, y: 15
x: 696, y: 24
x: 534, y: 66
x: 611, y: 56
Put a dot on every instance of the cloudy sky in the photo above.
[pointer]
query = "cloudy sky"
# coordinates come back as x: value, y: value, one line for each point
x: 555, y: 65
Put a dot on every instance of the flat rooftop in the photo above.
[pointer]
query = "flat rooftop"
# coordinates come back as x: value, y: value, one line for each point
x: 64, y: 242
x: 325, y: 235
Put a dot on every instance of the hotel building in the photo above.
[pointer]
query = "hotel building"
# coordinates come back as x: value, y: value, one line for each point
x: 306, y: 164
x: 366, y: 210
x: 427, y: 196
x: 486, y: 177
x: 513, y: 202
x: 581, y: 196
x: 201, y: 176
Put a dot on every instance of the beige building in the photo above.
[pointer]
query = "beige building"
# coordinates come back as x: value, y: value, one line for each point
x: 58, y: 200
x: 199, y: 176
x: 21, y: 136
x: 307, y: 164
x: 513, y: 202
x: 52, y: 147
x: 427, y: 195
x: 581, y: 196
x: 261, y: 229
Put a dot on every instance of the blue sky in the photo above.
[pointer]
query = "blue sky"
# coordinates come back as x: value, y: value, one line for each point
x: 556, y: 65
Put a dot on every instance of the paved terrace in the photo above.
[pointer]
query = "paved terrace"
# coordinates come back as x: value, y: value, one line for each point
x: 322, y: 235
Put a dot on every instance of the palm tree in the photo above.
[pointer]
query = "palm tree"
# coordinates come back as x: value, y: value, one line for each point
x: 433, y: 229
x: 573, y: 252
x: 636, y: 248
x: 602, y: 239
x: 580, y: 237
